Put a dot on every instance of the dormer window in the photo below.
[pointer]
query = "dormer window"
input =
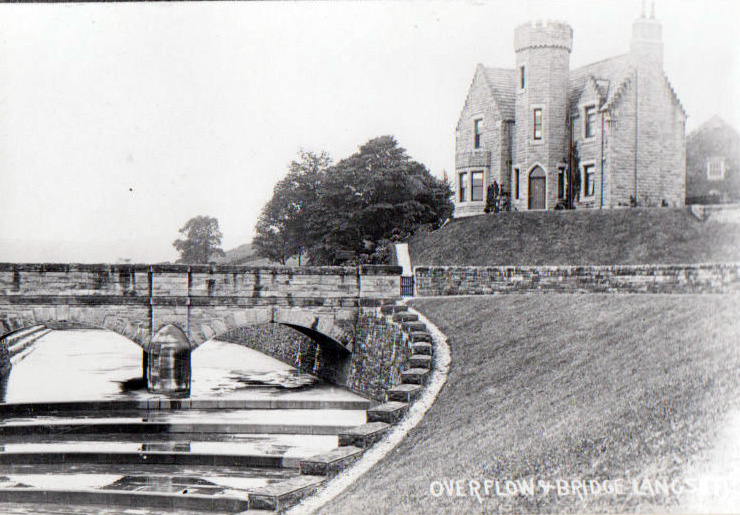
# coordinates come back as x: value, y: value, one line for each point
x: 589, y: 122
x: 715, y: 168
x: 477, y: 131
x: 522, y: 77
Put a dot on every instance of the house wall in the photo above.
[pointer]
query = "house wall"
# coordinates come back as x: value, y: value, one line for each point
x: 478, y: 104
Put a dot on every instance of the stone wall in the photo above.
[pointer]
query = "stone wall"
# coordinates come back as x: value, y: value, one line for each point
x: 700, y: 278
x: 379, y: 352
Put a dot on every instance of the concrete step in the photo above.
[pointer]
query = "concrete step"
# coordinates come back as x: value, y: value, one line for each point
x: 389, y: 412
x: 404, y: 392
x: 331, y: 463
x: 421, y: 348
x: 420, y: 361
x: 415, y: 376
x: 405, y: 317
x: 365, y: 435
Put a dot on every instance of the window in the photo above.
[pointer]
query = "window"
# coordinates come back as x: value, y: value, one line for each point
x: 476, y: 193
x: 589, y: 122
x: 537, y: 123
x: 476, y: 133
x: 715, y: 168
x: 589, y: 178
x: 515, y: 180
x: 561, y: 183
x: 463, y: 188
x: 522, y: 79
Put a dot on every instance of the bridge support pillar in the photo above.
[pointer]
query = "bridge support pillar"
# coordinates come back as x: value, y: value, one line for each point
x: 168, y: 363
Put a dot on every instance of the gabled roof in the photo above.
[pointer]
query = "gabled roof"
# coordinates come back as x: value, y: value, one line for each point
x: 608, y: 77
x: 502, y: 82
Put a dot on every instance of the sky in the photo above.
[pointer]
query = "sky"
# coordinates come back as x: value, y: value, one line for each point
x: 119, y: 122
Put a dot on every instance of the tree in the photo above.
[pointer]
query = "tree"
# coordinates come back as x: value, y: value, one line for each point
x: 351, y: 211
x: 366, y: 201
x: 202, y: 240
x: 282, y: 227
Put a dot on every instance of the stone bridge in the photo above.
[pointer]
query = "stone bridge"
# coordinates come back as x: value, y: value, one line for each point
x: 201, y: 301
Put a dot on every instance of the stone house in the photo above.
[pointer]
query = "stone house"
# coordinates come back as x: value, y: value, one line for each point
x: 713, y: 164
x: 617, y: 124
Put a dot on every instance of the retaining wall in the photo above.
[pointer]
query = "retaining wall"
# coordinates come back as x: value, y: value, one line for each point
x: 462, y: 280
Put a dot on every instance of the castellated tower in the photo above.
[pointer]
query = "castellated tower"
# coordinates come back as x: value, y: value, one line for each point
x: 540, y: 142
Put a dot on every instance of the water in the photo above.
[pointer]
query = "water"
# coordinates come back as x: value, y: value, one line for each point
x: 95, y: 365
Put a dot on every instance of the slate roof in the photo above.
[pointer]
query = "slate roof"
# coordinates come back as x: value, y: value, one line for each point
x: 503, y: 86
x: 610, y: 78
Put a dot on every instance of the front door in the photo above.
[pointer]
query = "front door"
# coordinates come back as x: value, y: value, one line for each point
x: 537, y: 185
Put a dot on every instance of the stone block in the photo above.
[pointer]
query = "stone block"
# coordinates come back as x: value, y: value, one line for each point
x: 389, y: 412
x: 415, y: 376
x: 420, y: 361
x: 365, y: 435
x: 404, y: 393
x: 330, y: 463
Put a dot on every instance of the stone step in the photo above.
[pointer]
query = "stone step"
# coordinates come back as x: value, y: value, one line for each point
x: 424, y: 348
x: 390, y: 309
x: 405, y: 317
x: 365, y: 435
x: 404, y: 392
x: 420, y: 361
x: 420, y: 336
x: 414, y: 376
x: 389, y: 412
x: 331, y: 463
x: 412, y: 327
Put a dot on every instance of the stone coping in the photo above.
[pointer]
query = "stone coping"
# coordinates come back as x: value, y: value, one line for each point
x: 212, y: 269
x: 575, y: 269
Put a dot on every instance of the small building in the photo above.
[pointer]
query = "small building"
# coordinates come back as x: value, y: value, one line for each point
x: 713, y: 164
x: 611, y: 133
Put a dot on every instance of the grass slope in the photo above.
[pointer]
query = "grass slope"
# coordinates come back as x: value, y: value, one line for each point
x: 563, y: 386
x: 620, y: 236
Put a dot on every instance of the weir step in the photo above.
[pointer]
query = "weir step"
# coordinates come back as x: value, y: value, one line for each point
x: 405, y: 317
x: 420, y: 361
x: 415, y: 376
x: 157, y: 404
x: 389, y: 412
x: 332, y: 462
x: 404, y: 393
x: 421, y: 348
x: 365, y: 435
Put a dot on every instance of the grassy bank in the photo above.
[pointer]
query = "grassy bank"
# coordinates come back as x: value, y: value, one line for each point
x: 617, y: 236
x: 563, y: 387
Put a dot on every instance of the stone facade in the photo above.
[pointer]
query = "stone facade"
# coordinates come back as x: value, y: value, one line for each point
x: 616, y: 127
x: 464, y: 280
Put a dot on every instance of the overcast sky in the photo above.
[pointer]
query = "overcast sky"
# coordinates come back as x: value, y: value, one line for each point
x: 119, y: 122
